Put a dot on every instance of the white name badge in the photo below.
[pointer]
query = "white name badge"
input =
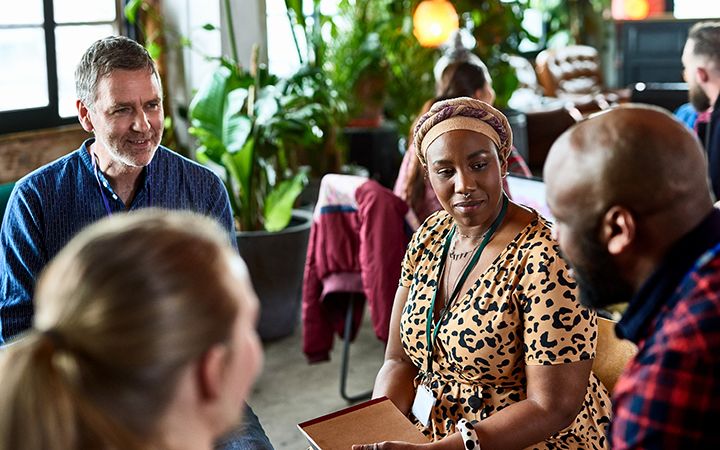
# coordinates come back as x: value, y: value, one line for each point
x: 424, y: 401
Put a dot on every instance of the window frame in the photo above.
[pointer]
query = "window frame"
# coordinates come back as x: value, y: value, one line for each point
x: 48, y: 116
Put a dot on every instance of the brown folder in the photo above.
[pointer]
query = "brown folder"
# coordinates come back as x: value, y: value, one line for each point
x: 376, y: 420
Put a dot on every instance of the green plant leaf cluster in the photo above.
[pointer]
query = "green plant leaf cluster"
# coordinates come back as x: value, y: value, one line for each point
x: 269, y: 133
x: 575, y: 21
x: 373, y: 39
x: 249, y: 124
x: 313, y: 86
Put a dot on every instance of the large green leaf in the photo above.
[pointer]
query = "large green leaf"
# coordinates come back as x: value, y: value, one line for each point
x: 243, y: 160
x: 296, y: 7
x: 240, y: 168
x: 237, y: 126
x: 211, y: 147
x: 131, y: 10
x: 208, y: 105
x: 279, y: 203
x: 266, y: 105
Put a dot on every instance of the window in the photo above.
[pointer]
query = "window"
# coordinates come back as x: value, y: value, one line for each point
x: 41, y: 43
x: 696, y: 9
x: 283, y: 58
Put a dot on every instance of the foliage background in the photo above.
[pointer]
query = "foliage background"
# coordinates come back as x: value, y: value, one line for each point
x: 376, y: 36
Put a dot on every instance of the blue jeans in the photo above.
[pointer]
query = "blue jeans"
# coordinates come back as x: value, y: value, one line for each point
x: 249, y: 435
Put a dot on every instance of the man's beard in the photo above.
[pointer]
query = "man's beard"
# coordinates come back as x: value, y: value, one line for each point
x: 698, y: 98
x: 597, y: 276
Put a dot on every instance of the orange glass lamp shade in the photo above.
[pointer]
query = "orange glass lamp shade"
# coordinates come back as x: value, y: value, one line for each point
x: 636, y: 9
x: 434, y: 21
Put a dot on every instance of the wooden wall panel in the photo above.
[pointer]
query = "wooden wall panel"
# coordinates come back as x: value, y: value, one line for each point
x: 21, y: 153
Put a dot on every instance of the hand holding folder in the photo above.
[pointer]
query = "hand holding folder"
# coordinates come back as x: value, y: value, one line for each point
x: 376, y: 420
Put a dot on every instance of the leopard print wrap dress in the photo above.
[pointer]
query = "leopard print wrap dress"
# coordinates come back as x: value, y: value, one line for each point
x: 522, y: 311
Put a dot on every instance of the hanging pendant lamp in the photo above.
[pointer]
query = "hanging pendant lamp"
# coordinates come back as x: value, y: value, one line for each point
x: 434, y: 21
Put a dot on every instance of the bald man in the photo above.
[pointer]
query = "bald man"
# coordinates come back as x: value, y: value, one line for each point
x: 635, y: 220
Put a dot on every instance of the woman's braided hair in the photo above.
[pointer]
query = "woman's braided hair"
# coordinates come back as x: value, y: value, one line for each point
x: 464, y: 107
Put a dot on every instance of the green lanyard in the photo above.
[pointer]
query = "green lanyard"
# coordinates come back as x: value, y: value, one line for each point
x: 432, y: 334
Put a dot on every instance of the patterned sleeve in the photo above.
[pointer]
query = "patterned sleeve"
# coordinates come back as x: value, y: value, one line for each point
x: 557, y: 328
x: 23, y: 254
x: 435, y: 225
x: 410, y: 259
x: 218, y: 206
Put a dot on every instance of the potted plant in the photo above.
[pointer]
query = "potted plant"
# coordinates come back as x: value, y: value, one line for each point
x: 318, y: 87
x: 248, y: 123
x: 377, y: 64
x: 357, y: 63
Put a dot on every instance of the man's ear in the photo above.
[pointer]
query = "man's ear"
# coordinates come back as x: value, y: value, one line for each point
x: 211, y: 372
x: 84, y: 116
x: 618, y: 230
x: 702, y: 75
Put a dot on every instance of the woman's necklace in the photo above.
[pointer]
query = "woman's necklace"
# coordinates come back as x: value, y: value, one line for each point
x: 456, y: 256
x: 448, y: 292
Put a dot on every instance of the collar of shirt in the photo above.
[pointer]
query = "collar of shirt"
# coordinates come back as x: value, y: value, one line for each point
x: 657, y: 291
x: 88, y: 163
x: 712, y: 115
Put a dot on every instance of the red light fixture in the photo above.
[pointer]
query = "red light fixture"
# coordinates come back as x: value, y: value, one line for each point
x: 636, y: 9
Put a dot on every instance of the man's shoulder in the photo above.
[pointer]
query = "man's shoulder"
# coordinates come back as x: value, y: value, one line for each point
x: 173, y: 161
x: 701, y: 286
x: 693, y: 322
x: 52, y: 172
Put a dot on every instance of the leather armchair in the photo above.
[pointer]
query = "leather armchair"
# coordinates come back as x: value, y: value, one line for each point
x: 547, y: 117
x: 574, y: 73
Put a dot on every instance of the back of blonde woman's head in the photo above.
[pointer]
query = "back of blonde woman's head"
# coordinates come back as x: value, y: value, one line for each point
x: 120, y: 312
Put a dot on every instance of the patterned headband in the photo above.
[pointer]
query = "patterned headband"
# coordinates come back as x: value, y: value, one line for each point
x: 463, y: 113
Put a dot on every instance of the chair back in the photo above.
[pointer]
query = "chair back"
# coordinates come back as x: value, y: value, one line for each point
x: 543, y: 128
x: 611, y: 354
x: 573, y: 70
x: 5, y: 190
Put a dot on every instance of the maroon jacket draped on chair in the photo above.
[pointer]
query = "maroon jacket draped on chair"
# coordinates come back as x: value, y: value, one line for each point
x: 357, y: 241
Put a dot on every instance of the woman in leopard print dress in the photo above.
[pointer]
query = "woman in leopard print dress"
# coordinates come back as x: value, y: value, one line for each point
x: 487, y: 330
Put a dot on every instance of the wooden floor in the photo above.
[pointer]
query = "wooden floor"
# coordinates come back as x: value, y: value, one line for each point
x: 290, y: 390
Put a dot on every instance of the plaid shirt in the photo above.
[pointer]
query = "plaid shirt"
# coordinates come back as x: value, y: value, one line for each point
x: 669, y: 395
